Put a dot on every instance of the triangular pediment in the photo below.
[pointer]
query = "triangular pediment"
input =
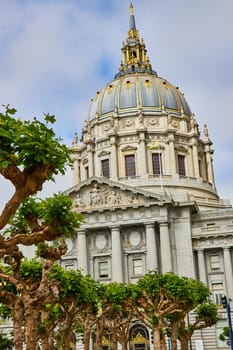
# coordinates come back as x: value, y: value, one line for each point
x: 101, y: 193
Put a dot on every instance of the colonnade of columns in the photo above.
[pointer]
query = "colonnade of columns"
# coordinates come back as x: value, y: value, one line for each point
x: 227, y: 262
x: 153, y: 260
x: 169, y: 160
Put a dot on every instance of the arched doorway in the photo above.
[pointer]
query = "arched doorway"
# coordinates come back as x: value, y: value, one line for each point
x: 139, y: 338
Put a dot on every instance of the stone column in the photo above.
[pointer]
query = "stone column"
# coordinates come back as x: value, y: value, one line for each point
x: 209, y: 165
x: 165, y: 246
x: 201, y: 266
x: 172, y: 155
x: 117, y: 266
x: 142, y: 167
x: 228, y: 271
x: 195, y: 161
x: 82, y: 251
x: 152, y: 254
x: 82, y: 172
x: 114, y: 160
x: 90, y: 160
x: 75, y: 170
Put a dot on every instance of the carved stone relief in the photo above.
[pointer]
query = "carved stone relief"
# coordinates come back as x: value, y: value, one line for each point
x: 100, y: 196
x: 101, y: 241
x: 133, y: 237
x: 128, y: 123
x: 213, y: 242
x: 173, y: 122
x: 153, y: 122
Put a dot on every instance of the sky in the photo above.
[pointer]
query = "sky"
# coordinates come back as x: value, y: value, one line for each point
x: 56, y: 54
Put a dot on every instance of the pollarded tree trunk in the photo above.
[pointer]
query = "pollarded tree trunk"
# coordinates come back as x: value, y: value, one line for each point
x: 174, y: 331
x: 163, y: 344
x: 86, y: 340
x: 18, y: 325
x: 31, y: 318
x: 156, y: 336
x: 46, y: 342
x: 184, y: 344
x: 114, y: 342
x: 124, y: 345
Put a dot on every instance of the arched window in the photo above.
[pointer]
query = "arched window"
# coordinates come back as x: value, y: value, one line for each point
x: 139, y: 338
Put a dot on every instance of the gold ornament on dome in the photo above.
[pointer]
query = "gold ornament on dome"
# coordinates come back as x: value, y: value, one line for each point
x: 148, y: 83
x: 110, y: 88
x: 128, y: 84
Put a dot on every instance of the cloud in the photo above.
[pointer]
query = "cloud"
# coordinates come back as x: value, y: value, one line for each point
x: 56, y: 54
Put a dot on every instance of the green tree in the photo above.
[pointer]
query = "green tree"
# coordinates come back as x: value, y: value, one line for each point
x: 119, y: 310
x: 77, y: 299
x: 205, y: 316
x: 168, y: 297
x: 225, y: 335
x: 30, y: 154
x: 5, y: 343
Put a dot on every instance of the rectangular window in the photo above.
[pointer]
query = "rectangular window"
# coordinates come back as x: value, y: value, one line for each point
x: 181, y: 165
x: 157, y: 164
x: 103, y: 269
x: 214, y: 262
x: 130, y: 169
x: 105, y: 168
x: 217, y: 292
x: 137, y: 267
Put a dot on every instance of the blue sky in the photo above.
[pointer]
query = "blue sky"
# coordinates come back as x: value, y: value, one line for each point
x: 55, y: 55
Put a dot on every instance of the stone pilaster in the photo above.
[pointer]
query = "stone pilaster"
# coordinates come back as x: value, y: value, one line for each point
x: 165, y: 246
x: 82, y: 251
x: 172, y: 155
x: 201, y: 266
x: 142, y: 155
x: 152, y: 253
x: 117, y: 267
x: 114, y: 159
x: 195, y: 161
x: 228, y: 271
x: 90, y: 160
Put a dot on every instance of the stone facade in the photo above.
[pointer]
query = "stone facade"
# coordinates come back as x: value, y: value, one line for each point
x: 144, y: 181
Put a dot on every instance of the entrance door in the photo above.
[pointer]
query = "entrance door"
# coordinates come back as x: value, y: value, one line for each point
x: 139, y: 338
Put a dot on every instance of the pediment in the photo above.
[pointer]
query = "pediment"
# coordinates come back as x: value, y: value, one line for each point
x: 103, y: 154
x: 128, y: 148
x: 103, y: 194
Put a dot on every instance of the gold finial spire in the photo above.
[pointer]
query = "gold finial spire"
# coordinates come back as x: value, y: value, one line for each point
x: 131, y: 9
x: 134, y: 51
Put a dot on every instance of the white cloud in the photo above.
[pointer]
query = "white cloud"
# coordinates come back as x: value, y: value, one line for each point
x: 51, y: 54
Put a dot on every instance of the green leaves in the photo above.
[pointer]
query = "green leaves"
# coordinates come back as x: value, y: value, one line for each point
x: 31, y: 269
x: 34, y: 214
x: 27, y: 143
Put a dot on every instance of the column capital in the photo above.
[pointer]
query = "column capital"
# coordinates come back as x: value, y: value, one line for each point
x: 82, y: 231
x: 150, y: 224
x: 115, y: 228
x: 163, y: 223
x: 199, y: 250
x: 226, y: 248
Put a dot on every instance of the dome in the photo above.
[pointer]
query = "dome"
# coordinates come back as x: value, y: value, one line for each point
x: 140, y: 131
x: 136, y: 85
x: 137, y: 90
